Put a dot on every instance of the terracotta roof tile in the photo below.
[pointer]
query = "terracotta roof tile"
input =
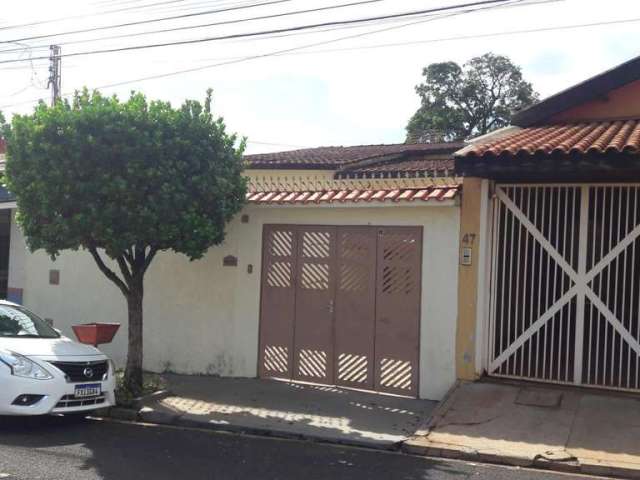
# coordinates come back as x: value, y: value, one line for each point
x: 590, y: 137
x: 392, y: 194
x: 438, y: 193
x: 340, y: 195
x: 409, y: 165
x: 336, y: 157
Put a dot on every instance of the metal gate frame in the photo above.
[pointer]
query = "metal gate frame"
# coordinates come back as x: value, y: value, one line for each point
x: 582, y: 276
x: 401, y: 269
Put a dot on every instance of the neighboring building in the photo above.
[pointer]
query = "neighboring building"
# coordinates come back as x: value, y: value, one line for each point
x: 341, y: 269
x: 559, y: 284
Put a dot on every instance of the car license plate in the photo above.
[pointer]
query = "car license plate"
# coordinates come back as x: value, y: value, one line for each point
x: 88, y: 390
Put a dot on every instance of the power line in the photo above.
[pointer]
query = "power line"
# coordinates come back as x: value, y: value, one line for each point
x: 384, y: 45
x: 235, y: 60
x: 153, y: 20
x: 107, y: 12
x: 275, y: 53
x: 265, y: 55
x: 275, y: 31
x: 75, y: 17
x: 226, y: 22
x: 454, y: 38
x: 345, y: 27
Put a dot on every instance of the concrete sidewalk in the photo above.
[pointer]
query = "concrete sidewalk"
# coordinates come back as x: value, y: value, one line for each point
x: 551, y: 427
x: 270, y: 407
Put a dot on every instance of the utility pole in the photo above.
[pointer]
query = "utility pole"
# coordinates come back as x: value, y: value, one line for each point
x: 55, y: 73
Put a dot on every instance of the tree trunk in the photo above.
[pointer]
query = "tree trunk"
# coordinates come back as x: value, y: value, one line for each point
x: 133, y: 372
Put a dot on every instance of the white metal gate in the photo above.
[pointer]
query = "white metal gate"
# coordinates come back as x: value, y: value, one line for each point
x: 565, y: 284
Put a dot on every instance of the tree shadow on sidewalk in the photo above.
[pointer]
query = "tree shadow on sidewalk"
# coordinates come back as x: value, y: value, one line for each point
x: 299, y: 409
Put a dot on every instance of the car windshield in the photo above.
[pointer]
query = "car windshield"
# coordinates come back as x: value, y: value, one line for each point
x: 17, y: 322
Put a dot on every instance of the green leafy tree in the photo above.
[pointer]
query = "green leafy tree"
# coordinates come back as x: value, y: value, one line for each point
x: 124, y: 181
x: 458, y: 102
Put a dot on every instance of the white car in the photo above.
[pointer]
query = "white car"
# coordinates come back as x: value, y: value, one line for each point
x: 43, y: 372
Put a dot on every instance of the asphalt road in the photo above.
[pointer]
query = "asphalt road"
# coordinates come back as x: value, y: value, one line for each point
x: 57, y: 448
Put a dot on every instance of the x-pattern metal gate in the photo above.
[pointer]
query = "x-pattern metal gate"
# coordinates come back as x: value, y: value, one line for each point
x: 341, y: 305
x: 565, y: 284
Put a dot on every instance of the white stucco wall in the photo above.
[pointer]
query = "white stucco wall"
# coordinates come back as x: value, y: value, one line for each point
x: 201, y: 317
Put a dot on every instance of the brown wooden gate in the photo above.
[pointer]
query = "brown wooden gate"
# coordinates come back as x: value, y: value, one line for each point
x: 398, y: 309
x: 279, y: 255
x: 341, y: 305
x: 315, y: 289
x: 355, y: 307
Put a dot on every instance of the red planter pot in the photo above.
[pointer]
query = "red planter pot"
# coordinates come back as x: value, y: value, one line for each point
x: 96, y: 333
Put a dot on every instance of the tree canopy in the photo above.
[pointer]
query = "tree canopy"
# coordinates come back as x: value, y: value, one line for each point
x: 125, y: 180
x: 458, y: 102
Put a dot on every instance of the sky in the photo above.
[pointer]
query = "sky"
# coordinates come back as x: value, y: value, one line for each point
x: 351, y: 91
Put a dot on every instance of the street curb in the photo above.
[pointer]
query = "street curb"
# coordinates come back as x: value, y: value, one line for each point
x: 120, y: 413
x: 149, y: 415
x: 460, y: 453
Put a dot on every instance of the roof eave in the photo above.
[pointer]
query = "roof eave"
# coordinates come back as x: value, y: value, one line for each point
x: 586, y: 167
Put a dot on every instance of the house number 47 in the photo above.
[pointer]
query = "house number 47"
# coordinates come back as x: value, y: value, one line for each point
x: 469, y: 239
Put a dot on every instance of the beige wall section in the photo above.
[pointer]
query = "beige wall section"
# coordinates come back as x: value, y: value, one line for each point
x: 469, y: 276
x: 201, y: 317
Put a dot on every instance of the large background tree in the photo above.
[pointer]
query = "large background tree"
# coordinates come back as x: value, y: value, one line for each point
x: 124, y: 180
x: 458, y: 102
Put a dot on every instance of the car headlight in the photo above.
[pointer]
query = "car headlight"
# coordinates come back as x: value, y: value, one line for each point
x: 21, y: 366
